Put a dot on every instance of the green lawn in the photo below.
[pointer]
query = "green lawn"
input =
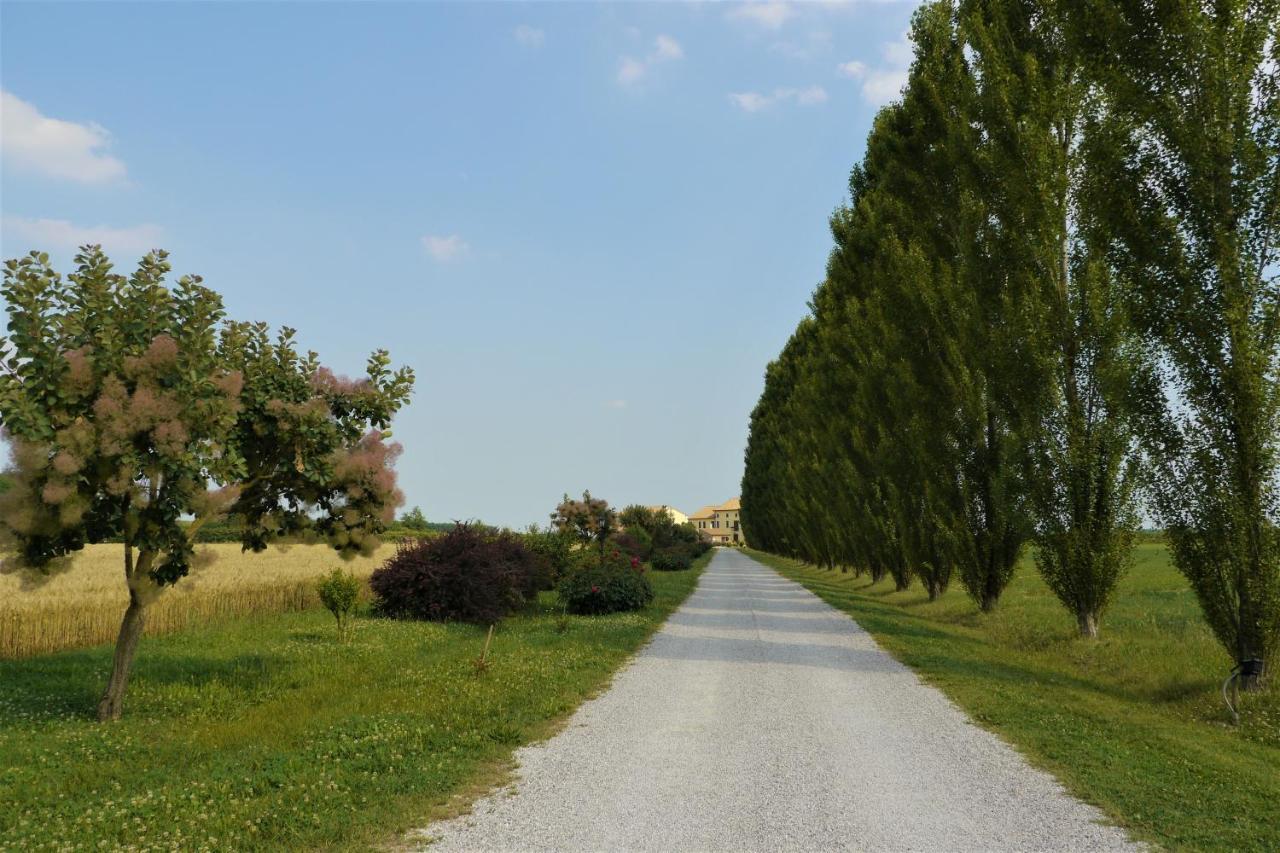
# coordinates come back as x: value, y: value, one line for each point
x: 1133, y: 722
x: 264, y: 733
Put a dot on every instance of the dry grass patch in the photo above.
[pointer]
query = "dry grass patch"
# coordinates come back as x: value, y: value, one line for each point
x: 83, y: 605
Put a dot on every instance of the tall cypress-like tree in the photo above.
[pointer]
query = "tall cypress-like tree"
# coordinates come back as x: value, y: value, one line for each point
x: 942, y: 262
x: 1069, y: 323
x: 1193, y: 182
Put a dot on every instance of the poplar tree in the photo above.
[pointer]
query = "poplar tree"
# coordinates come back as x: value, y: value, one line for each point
x: 1192, y: 187
x: 1068, y: 320
x: 940, y: 273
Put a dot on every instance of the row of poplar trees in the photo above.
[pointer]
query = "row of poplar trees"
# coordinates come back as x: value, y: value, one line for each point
x: 1053, y: 306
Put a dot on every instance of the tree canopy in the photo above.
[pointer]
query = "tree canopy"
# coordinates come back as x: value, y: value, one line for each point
x: 131, y: 406
x: 1054, y: 289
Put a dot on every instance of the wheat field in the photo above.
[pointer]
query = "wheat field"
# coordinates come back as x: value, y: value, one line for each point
x: 83, y: 605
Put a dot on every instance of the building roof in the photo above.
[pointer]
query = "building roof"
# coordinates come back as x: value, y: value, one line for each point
x: 732, y: 503
x: 708, y: 511
x: 676, y: 515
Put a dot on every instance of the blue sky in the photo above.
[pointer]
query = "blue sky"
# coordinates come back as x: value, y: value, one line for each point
x: 587, y: 227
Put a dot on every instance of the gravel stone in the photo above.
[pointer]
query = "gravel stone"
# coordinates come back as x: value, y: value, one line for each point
x: 761, y: 718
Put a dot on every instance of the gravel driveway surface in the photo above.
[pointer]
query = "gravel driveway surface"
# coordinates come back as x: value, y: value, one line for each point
x: 761, y: 718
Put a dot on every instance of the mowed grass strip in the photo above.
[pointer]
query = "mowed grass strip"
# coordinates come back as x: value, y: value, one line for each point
x: 82, y: 605
x: 1133, y: 722
x: 264, y: 733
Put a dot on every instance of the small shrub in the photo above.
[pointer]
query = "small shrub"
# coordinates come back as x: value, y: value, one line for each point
x: 555, y: 554
x: 339, y: 592
x: 470, y: 574
x: 634, y: 542
x: 674, y: 559
x: 613, y: 585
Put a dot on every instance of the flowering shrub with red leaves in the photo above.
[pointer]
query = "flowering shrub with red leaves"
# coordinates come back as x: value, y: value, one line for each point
x: 633, y: 542
x: 470, y: 574
x: 616, y: 584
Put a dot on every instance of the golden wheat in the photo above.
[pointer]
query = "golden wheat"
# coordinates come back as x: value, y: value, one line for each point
x: 83, y: 605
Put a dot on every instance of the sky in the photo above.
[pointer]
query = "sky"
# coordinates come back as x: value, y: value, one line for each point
x: 587, y: 227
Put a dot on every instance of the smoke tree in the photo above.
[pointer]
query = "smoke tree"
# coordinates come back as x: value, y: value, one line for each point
x: 589, y: 520
x: 136, y: 412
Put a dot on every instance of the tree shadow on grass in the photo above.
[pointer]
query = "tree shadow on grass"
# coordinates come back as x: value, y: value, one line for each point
x: 69, y: 684
x: 744, y: 650
x: 771, y: 621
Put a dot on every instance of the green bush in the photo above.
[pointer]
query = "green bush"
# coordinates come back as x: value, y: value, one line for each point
x: 339, y: 593
x: 555, y: 554
x: 614, y: 585
x: 634, y: 542
x: 674, y: 559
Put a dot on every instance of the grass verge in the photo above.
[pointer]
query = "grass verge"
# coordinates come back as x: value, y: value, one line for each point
x: 264, y: 733
x: 1132, y: 722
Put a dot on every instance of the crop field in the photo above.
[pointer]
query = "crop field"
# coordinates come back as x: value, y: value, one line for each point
x: 265, y: 733
x: 83, y: 604
x: 1132, y: 722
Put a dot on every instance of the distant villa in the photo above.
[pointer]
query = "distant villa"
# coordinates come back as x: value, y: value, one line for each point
x: 720, y: 524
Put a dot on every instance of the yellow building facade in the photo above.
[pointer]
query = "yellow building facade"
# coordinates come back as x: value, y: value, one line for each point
x: 721, y: 524
x: 676, y: 515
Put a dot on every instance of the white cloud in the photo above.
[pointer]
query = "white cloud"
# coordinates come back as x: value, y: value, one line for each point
x: 53, y: 147
x: 899, y: 53
x: 60, y: 234
x: 445, y: 248
x: 750, y: 101
x: 770, y: 15
x: 666, y: 48
x: 884, y: 83
x: 754, y: 102
x: 814, y: 43
x: 854, y: 69
x: 632, y: 70
x: 881, y: 87
x: 810, y: 95
x: 530, y: 36
x: 615, y: 404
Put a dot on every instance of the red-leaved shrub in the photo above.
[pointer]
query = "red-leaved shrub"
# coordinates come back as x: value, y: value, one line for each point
x: 470, y: 574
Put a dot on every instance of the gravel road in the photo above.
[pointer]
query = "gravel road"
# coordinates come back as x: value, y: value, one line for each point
x: 760, y: 718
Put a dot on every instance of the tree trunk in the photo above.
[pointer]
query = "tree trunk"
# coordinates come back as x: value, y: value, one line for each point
x: 126, y: 645
x: 1251, y: 676
x: 1251, y: 683
x: 1088, y: 622
x: 989, y: 599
